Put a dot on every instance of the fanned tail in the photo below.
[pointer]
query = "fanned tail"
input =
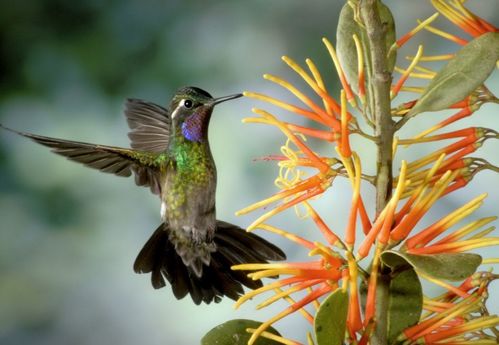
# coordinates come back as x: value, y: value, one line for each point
x: 233, y: 246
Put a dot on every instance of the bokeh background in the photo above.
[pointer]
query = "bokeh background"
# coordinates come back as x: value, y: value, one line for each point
x: 69, y: 235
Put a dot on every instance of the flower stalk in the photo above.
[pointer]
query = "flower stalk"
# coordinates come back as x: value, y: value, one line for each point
x: 384, y: 128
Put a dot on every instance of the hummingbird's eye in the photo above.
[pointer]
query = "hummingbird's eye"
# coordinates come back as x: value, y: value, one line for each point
x: 187, y: 103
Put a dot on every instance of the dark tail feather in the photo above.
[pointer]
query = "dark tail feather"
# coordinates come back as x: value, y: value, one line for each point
x: 234, y: 246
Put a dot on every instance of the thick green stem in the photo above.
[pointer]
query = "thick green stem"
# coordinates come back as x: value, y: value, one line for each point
x: 380, y: 81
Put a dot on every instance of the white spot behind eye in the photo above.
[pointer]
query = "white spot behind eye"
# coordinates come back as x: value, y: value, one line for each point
x: 185, y: 103
x: 180, y: 105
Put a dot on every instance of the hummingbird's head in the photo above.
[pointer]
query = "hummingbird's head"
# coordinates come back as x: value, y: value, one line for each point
x: 191, y: 109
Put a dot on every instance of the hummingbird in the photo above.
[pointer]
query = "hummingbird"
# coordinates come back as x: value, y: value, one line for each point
x: 170, y: 154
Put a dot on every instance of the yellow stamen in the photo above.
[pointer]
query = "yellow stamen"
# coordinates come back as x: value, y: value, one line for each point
x: 295, y: 201
x: 315, y: 303
x: 310, y: 340
x: 351, y: 227
x: 460, y: 16
x: 490, y: 261
x: 443, y: 284
x: 273, y: 272
x: 301, y: 72
x: 288, y: 235
x: 438, y: 189
x: 482, y: 233
x: 479, y: 324
x: 392, y: 204
x: 316, y: 294
x: 322, y: 166
x: 405, y: 75
x: 264, y: 202
x: 460, y: 246
x: 445, y: 35
x: 252, y: 293
x: 420, y: 207
x: 395, y: 144
x: 415, y: 89
x: 274, y: 337
x: 325, y: 117
x: 339, y: 70
x: 345, y: 144
x: 425, y: 70
x: 302, y: 311
x: 446, y: 222
x: 414, y: 31
x: 420, y: 191
x: 414, y: 75
x: 347, y: 163
x: 286, y: 106
x: 325, y: 251
x: 318, y: 79
x: 466, y: 306
x: 288, y: 292
x: 360, y: 69
x: 430, y: 58
x: 465, y: 230
x: 255, y: 267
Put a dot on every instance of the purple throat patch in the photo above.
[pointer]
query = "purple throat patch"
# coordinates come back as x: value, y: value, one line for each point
x: 192, y: 128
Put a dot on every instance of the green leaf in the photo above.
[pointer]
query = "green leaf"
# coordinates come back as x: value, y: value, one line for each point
x: 233, y: 332
x: 469, y: 68
x: 454, y: 267
x: 331, y: 319
x: 345, y: 45
x: 405, y: 302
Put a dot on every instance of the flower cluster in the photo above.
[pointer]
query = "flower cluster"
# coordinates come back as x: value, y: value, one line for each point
x: 456, y: 317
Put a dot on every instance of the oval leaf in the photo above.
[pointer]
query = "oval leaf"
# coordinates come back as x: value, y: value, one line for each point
x: 345, y: 45
x: 454, y: 267
x: 331, y: 319
x: 469, y: 68
x: 405, y: 302
x: 233, y: 332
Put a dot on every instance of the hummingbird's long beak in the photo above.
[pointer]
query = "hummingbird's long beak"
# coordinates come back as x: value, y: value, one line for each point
x: 226, y: 98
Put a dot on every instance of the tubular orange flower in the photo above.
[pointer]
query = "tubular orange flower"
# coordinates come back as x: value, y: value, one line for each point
x: 402, y: 40
x: 354, y: 320
x: 338, y: 68
x: 396, y: 88
x: 323, y: 273
x: 465, y: 306
x: 462, y: 17
x: 431, y: 232
x: 466, y: 111
x: 420, y: 207
x: 453, y: 319
x: 360, y: 70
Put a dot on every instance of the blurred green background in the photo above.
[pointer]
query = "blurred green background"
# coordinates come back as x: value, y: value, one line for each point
x: 69, y: 235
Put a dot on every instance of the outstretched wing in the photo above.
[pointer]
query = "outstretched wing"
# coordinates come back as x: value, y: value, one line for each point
x: 150, y: 125
x: 108, y: 159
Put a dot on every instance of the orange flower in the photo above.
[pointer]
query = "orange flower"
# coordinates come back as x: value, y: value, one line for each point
x: 456, y: 319
x: 463, y: 18
x: 338, y: 125
x: 319, y: 277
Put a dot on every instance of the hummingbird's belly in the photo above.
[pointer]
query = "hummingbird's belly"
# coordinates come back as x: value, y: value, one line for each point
x: 188, y: 205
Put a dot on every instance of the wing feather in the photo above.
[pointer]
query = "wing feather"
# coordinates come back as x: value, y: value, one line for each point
x: 150, y: 125
x: 109, y: 159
